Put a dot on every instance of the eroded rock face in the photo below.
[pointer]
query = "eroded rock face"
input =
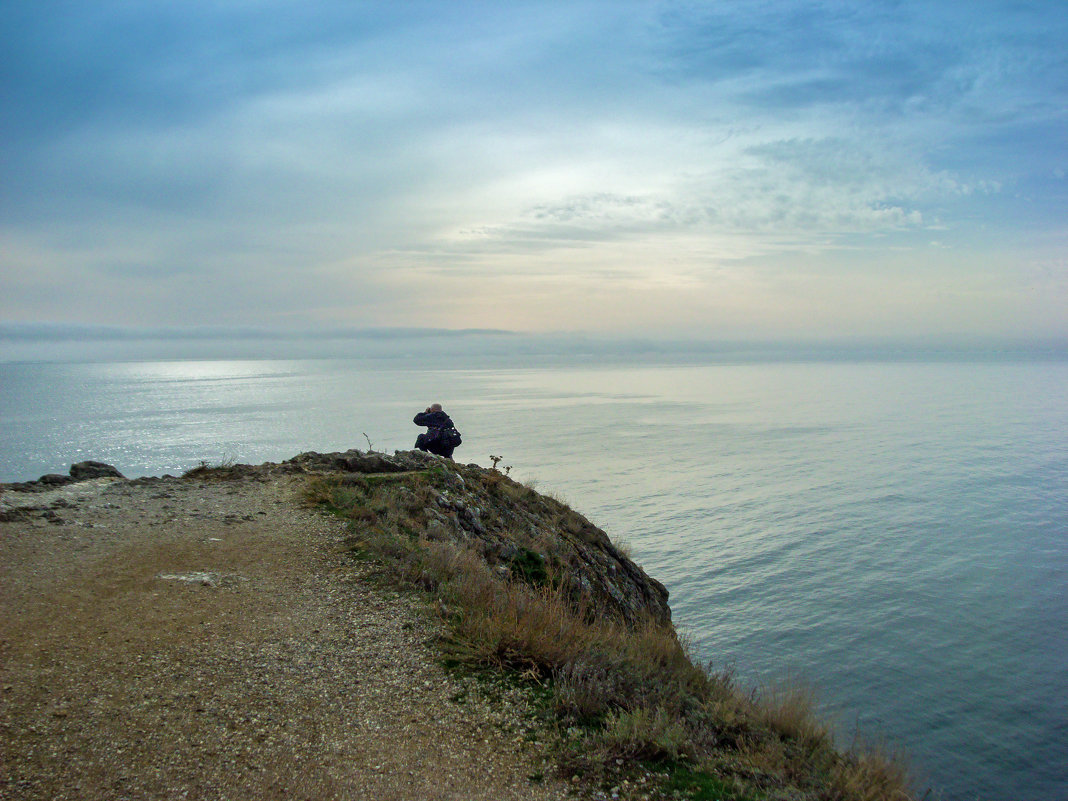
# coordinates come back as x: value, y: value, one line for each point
x: 529, y: 533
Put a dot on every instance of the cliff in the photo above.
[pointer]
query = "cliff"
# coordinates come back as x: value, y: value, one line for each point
x: 521, y: 534
x: 521, y: 586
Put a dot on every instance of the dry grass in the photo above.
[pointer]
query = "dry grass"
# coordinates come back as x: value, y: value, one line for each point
x: 622, y: 694
x: 223, y: 471
x: 870, y: 776
x: 788, y: 708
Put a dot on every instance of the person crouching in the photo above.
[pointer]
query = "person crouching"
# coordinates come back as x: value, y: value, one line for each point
x: 441, y: 437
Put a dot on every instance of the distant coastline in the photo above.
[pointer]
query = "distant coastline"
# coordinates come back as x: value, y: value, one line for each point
x: 47, y: 342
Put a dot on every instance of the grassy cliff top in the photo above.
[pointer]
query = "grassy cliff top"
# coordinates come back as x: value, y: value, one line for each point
x: 529, y: 588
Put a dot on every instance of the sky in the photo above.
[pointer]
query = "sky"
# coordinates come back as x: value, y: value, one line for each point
x: 759, y: 170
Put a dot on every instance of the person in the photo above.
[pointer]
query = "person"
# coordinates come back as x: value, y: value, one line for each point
x: 441, y: 437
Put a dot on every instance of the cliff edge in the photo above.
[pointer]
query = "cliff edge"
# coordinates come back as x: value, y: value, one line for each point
x: 357, y: 625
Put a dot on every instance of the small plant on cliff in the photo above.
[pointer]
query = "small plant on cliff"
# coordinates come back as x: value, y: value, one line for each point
x: 529, y: 566
x: 224, y: 470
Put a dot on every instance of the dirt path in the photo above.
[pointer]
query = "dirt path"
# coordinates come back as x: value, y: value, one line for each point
x: 182, y: 639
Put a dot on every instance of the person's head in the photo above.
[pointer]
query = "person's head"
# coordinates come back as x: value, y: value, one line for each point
x: 435, y: 407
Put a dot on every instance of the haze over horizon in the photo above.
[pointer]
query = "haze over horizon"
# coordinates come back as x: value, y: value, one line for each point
x: 664, y: 170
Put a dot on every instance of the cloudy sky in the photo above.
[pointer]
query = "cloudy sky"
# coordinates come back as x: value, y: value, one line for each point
x: 759, y: 169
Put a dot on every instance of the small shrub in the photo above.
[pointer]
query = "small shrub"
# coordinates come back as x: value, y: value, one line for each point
x: 529, y: 566
x: 223, y: 471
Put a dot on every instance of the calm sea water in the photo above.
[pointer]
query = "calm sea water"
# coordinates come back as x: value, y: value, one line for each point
x: 894, y: 533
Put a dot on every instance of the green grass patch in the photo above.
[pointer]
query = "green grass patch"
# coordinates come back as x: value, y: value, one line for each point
x: 697, y: 785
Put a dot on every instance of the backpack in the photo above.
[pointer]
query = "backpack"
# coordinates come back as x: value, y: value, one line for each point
x: 450, y: 438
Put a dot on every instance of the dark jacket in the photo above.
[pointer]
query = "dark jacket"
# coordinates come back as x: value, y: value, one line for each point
x: 433, y: 420
x: 435, y: 440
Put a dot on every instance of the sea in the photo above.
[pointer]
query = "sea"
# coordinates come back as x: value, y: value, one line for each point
x: 892, y: 532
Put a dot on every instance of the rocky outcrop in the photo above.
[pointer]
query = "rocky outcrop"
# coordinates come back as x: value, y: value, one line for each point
x: 84, y: 471
x: 354, y: 461
x: 520, y: 533
x: 81, y: 471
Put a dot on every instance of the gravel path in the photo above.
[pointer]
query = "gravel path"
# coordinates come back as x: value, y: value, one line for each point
x: 209, y: 640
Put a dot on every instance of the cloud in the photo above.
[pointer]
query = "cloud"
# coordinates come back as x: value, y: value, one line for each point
x: 392, y: 164
x: 805, y: 189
